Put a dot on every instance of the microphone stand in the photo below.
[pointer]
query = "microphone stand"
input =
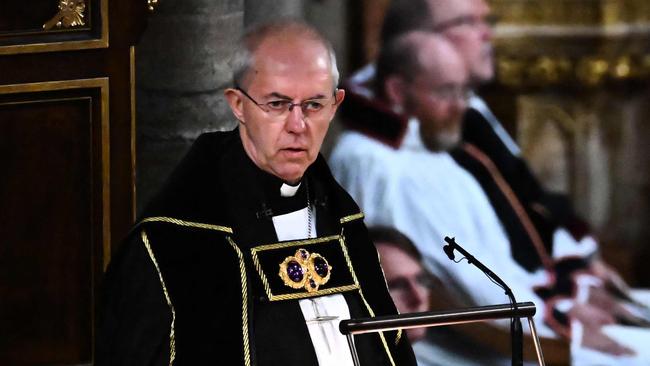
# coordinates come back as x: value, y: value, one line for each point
x: 516, y: 332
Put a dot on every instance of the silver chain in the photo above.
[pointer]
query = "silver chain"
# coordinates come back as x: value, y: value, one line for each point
x: 309, y: 219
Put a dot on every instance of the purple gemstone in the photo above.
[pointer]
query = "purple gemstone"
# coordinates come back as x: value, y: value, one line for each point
x: 312, y: 283
x: 303, y: 254
x: 294, y: 270
x: 321, y: 266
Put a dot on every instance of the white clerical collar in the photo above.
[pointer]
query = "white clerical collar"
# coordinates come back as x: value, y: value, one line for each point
x: 287, y: 190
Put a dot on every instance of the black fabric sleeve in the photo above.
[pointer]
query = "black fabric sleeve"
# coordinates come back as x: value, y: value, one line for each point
x: 134, y: 319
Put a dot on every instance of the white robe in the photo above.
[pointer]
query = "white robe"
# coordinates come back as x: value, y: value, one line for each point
x: 428, y: 196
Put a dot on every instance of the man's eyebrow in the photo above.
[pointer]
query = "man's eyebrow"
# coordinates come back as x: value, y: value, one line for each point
x: 278, y: 95
x: 282, y: 96
x: 317, y: 96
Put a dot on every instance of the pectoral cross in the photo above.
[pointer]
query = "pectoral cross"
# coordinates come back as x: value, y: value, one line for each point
x: 321, y: 321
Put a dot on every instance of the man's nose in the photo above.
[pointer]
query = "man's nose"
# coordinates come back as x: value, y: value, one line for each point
x: 487, y: 32
x: 419, y: 295
x: 296, y: 119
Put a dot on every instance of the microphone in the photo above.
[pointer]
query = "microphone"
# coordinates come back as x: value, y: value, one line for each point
x: 449, y: 248
x: 516, y: 331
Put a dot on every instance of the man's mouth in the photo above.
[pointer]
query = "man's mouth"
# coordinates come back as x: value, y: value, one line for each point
x: 294, y: 151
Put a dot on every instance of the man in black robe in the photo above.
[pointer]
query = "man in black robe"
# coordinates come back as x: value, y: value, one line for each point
x: 252, y: 254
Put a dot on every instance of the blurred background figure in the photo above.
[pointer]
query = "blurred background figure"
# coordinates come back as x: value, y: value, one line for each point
x: 414, y: 289
x: 406, y: 162
x: 409, y: 283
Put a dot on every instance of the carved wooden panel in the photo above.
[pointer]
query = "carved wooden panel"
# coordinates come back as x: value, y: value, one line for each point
x: 67, y: 151
x: 55, y: 210
x: 52, y: 25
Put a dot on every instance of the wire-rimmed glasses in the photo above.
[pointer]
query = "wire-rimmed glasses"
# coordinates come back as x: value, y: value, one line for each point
x: 311, y: 108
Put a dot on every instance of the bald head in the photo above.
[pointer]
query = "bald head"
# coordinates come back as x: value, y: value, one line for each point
x: 414, y: 54
x: 422, y: 75
x: 466, y: 23
x: 274, y: 39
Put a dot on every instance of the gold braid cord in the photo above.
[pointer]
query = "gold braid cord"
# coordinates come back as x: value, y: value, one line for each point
x: 363, y: 298
x: 244, y: 292
x: 172, y: 335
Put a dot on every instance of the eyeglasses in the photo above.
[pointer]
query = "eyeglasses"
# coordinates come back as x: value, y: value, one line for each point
x: 452, y: 92
x: 447, y: 92
x: 311, y: 108
x: 466, y: 20
x: 404, y: 283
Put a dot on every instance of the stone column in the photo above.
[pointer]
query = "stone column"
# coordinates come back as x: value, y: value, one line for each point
x: 256, y: 11
x: 182, y: 70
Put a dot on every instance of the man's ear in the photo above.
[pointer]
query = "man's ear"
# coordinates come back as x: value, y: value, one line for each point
x: 236, y: 103
x: 339, y: 95
x: 395, y: 89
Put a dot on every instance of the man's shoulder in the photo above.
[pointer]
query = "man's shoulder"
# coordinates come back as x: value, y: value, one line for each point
x: 218, y: 140
x: 194, y: 190
x: 356, y: 146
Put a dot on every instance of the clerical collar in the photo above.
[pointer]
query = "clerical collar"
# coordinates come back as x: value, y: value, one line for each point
x: 287, y: 190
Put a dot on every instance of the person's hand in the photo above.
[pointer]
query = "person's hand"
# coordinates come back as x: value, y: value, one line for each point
x: 612, y: 279
x: 593, y: 319
x: 591, y: 316
x: 602, y: 299
x: 599, y: 341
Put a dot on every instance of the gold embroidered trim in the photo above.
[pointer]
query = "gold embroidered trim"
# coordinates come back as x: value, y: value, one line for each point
x: 295, y: 243
x: 172, y: 335
x: 199, y: 225
x: 383, y: 274
x: 347, y: 219
x: 356, y: 281
x: 399, y: 337
x: 303, y: 295
x: 265, y: 281
x: 244, y: 292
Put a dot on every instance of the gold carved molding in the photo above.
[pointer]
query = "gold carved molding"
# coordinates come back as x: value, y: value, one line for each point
x: 48, y: 41
x: 543, y: 43
x: 152, y: 5
x: 591, y: 71
x: 571, y: 12
x: 71, y: 14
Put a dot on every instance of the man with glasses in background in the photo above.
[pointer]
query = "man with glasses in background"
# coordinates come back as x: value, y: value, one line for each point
x: 252, y: 253
x: 414, y: 290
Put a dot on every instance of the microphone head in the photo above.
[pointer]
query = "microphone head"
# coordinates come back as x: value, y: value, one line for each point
x: 449, y: 250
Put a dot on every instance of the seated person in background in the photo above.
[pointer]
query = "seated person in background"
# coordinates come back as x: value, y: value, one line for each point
x: 413, y: 290
x: 428, y: 184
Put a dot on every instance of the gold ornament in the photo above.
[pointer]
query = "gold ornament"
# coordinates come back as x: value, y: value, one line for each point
x: 305, y: 270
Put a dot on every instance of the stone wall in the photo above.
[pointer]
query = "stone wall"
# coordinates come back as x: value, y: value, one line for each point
x: 182, y: 70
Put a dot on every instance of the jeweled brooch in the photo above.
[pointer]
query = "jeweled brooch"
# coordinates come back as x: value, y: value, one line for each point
x: 305, y: 270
